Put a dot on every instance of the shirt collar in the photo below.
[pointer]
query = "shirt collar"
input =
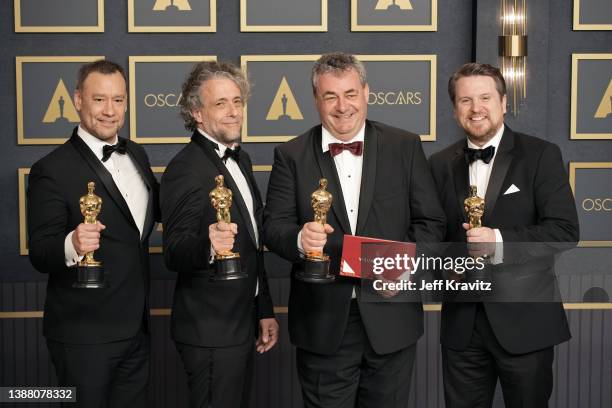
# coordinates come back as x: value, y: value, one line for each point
x: 327, y: 138
x: 495, y: 140
x: 95, y: 145
x: 221, y: 150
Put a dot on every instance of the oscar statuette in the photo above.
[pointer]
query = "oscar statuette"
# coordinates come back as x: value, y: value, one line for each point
x: 316, y: 264
x: 474, y: 208
x: 90, y: 273
x: 227, y: 263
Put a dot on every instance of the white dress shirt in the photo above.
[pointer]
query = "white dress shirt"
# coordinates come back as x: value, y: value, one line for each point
x: 480, y: 173
x: 128, y: 180
x: 234, y: 170
x: 348, y: 167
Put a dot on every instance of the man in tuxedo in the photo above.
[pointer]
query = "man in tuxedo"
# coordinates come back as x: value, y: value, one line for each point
x: 98, y: 339
x: 350, y: 351
x: 527, y: 201
x: 214, y: 322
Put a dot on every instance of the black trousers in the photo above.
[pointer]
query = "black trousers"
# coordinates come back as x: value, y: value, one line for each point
x: 219, y: 377
x: 109, y: 375
x: 356, y: 376
x: 470, y: 376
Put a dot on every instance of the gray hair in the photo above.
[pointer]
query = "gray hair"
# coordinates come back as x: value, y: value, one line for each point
x: 200, y: 73
x: 337, y: 63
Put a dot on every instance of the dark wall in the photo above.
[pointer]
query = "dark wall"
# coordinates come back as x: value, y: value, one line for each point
x: 583, y: 366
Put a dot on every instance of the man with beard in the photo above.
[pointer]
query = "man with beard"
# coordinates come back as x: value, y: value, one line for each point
x: 213, y: 322
x: 527, y: 200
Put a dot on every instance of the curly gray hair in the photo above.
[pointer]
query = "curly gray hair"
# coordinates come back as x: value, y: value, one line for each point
x: 200, y: 73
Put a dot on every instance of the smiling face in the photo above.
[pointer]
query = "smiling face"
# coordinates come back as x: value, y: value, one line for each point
x: 220, y: 115
x: 102, y: 103
x: 342, y: 103
x: 479, y: 108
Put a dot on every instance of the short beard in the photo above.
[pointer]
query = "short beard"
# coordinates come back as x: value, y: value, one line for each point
x: 227, y: 138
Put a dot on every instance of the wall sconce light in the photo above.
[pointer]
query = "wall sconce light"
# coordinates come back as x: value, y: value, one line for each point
x: 513, y: 50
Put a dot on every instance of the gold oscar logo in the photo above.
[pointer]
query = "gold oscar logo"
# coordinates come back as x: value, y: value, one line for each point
x: 163, y: 5
x: 284, y: 106
x: 61, y: 107
x: 605, y: 106
x: 395, y: 4
x: 597, y: 204
x: 399, y: 97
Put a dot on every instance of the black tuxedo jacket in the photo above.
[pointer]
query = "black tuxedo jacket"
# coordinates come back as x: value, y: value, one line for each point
x: 210, y: 313
x: 397, y: 201
x: 55, y: 184
x: 543, y: 211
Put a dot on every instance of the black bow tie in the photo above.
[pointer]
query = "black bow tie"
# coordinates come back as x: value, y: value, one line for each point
x: 485, y: 154
x: 234, y: 154
x: 120, y: 148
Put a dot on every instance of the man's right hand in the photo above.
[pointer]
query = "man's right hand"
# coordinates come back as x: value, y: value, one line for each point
x: 86, y: 237
x: 314, y: 236
x: 221, y: 236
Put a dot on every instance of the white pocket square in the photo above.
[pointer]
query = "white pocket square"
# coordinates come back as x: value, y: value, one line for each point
x: 512, y: 189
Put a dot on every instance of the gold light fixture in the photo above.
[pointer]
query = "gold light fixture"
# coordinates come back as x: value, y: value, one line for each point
x: 513, y: 50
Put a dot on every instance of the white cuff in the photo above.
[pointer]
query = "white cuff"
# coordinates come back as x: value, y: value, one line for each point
x: 299, y: 243
x: 211, y: 259
x: 498, y: 256
x: 70, y: 254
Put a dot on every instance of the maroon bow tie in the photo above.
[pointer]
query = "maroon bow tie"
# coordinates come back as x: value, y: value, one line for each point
x: 355, y: 147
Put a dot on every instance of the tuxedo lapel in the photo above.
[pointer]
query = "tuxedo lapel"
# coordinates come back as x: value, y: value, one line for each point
x: 146, y: 175
x: 238, y: 200
x: 368, y: 177
x: 105, y: 177
x: 247, y: 170
x: 461, y: 179
x: 328, y: 170
x: 501, y: 164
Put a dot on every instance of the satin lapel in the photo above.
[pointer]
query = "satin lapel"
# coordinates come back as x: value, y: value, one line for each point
x: 145, y: 174
x: 105, y: 177
x: 229, y: 182
x: 461, y: 179
x: 501, y: 164
x: 328, y: 170
x: 368, y: 177
x: 250, y: 178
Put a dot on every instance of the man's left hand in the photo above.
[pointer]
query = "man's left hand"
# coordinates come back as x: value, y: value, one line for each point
x: 268, y: 335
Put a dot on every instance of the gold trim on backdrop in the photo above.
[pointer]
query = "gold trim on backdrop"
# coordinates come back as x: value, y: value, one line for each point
x: 20, y: 28
x: 212, y: 28
x: 244, y: 60
x: 355, y: 26
x: 23, y: 242
x: 37, y: 314
x: 574, y: 97
x: 573, y: 166
x: 162, y: 169
x: 19, y: 61
x: 156, y: 58
x: 431, y: 136
x: 579, y: 26
x: 244, y: 27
